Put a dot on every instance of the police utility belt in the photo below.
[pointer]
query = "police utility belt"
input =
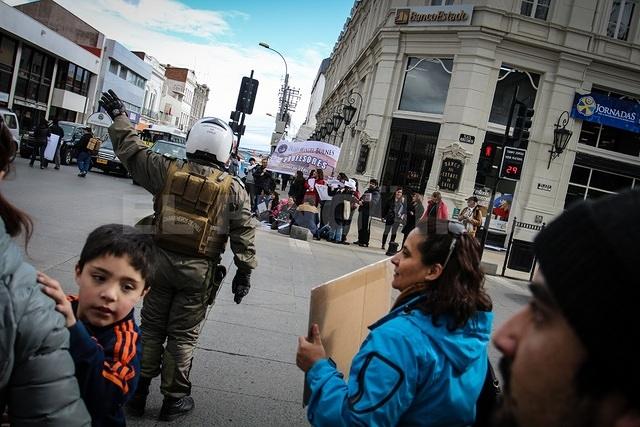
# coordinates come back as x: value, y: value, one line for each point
x: 193, y: 211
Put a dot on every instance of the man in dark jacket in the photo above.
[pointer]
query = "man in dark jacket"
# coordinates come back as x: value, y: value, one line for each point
x: 40, y: 136
x: 57, y: 130
x: 370, y: 204
x: 263, y: 178
x: 84, y: 157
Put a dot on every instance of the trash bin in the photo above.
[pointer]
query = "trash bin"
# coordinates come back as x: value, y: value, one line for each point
x: 521, y: 256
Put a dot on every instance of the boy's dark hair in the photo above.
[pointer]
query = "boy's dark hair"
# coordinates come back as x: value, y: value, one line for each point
x: 119, y: 240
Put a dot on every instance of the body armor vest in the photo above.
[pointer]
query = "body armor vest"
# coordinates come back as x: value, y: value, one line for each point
x: 193, y: 211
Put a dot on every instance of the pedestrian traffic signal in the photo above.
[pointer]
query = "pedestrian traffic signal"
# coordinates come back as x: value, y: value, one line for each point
x: 487, y: 158
x: 247, y: 95
x: 522, y: 126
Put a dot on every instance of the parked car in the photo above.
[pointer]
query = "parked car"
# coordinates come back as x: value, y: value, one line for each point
x: 106, y: 159
x: 11, y: 120
x: 72, y: 134
x: 170, y: 149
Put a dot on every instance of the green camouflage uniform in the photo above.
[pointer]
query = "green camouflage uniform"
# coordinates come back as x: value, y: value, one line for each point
x: 176, y: 304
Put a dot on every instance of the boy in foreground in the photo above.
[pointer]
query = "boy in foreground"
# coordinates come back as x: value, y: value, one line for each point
x: 112, y: 274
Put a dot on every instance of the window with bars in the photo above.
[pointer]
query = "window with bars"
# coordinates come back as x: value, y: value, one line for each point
x: 538, y: 9
x: 620, y: 18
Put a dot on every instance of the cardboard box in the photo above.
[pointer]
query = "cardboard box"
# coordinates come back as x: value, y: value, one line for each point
x: 345, y: 307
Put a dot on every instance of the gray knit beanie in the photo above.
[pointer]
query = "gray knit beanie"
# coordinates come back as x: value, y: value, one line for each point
x: 590, y: 258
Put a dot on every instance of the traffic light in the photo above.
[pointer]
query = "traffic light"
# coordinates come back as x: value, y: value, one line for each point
x: 237, y: 128
x: 522, y: 126
x: 235, y: 116
x: 487, y: 158
x: 247, y: 95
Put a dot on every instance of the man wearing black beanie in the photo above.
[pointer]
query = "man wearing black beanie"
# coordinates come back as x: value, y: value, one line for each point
x: 568, y: 356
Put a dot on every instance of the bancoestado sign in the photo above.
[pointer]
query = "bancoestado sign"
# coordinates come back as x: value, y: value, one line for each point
x: 599, y: 108
x: 434, y: 15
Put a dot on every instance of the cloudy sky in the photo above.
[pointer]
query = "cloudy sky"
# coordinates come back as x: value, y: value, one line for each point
x: 219, y: 40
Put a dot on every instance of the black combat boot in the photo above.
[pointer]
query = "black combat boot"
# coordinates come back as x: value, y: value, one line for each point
x: 135, y: 405
x: 173, y: 408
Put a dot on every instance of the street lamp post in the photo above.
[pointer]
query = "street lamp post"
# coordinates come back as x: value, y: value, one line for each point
x: 283, y: 103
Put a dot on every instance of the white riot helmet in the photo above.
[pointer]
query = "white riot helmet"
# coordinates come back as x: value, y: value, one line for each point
x: 210, y: 135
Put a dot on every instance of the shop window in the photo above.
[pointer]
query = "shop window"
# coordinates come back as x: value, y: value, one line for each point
x: 25, y: 60
x: 426, y: 85
x: 113, y: 67
x: 37, y: 64
x: 580, y: 175
x: 610, y: 138
x: 538, y: 9
x: 7, y: 52
x: 71, y: 75
x: 609, y: 181
x: 509, y: 80
x: 620, y: 18
x: 590, y: 183
x: 43, y: 93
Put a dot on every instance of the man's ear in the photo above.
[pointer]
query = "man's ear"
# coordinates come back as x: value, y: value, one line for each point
x: 78, y: 271
x: 433, y: 272
x: 145, y: 291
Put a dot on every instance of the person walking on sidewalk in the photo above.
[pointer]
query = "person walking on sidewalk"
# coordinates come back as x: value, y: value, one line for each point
x: 369, y: 204
x: 40, y: 136
x: 569, y: 357
x: 415, y: 210
x: 471, y: 216
x: 395, y: 215
x: 57, y: 130
x: 436, y: 208
x: 84, y: 156
x: 196, y: 191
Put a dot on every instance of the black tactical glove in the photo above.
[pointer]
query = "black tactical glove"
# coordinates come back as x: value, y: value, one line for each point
x: 112, y: 104
x: 240, y: 285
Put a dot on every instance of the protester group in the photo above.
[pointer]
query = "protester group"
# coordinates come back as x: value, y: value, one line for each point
x: 82, y: 359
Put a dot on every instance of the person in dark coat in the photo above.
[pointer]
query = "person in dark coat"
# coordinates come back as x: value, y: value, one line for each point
x: 57, y: 130
x: 369, y: 204
x: 415, y: 210
x: 296, y: 189
x: 40, y: 136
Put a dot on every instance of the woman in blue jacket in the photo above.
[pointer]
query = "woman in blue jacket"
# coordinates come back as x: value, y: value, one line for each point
x: 425, y: 362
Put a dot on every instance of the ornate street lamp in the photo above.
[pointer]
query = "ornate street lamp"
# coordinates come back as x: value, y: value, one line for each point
x: 348, y: 111
x: 561, y: 137
x: 323, y: 131
x: 329, y: 125
x: 337, y: 121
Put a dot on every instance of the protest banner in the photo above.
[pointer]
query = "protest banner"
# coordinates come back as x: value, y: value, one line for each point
x: 290, y: 157
x: 345, y: 307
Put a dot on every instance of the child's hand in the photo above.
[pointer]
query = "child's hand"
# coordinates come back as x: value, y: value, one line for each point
x: 54, y: 291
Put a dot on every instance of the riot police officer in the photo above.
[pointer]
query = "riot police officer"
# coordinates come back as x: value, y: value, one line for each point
x: 197, y: 207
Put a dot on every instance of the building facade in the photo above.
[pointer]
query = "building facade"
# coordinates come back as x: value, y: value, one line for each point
x: 434, y: 81
x: 181, y: 85
x: 315, y: 100
x: 200, y: 99
x: 153, y: 90
x: 43, y: 75
x: 126, y: 74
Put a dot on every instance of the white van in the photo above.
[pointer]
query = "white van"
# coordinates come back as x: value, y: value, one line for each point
x: 11, y: 120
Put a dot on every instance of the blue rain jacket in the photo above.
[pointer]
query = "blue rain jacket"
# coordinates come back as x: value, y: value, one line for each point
x: 407, y: 372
